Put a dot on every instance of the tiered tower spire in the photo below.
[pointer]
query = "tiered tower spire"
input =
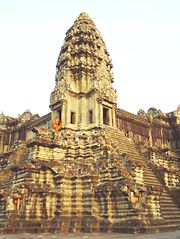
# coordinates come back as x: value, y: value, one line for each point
x: 83, y: 78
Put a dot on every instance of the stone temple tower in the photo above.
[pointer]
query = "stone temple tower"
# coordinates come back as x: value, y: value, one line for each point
x: 83, y: 97
x: 103, y: 169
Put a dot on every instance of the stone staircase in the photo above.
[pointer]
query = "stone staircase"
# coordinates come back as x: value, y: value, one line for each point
x: 118, y: 206
x: 6, y: 183
x: 169, y: 211
x: 3, y: 214
x: 127, y: 146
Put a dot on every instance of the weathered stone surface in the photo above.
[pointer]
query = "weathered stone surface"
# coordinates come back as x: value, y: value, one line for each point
x: 105, y: 170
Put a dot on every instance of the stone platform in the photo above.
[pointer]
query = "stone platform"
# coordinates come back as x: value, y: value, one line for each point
x: 165, y: 235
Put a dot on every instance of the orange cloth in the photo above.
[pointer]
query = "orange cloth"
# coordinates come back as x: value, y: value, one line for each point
x: 57, y: 125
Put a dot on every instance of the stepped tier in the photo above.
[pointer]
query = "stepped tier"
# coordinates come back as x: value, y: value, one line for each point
x: 95, y: 181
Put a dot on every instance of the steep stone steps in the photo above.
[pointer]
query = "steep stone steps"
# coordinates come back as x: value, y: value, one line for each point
x: 117, y: 204
x: 127, y: 146
x: 169, y: 210
x: 3, y: 218
x: 7, y: 183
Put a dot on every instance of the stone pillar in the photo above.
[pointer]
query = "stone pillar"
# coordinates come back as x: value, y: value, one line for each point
x: 110, y: 208
x: 1, y: 143
x: 150, y: 137
x: 110, y: 117
x: 64, y: 113
x: 83, y: 112
x: 113, y: 117
x: 96, y: 111
x: 99, y: 113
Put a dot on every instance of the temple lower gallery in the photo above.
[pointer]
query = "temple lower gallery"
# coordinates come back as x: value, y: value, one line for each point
x: 88, y: 166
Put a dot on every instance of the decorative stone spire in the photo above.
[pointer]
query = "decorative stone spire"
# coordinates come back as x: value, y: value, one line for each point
x: 83, y: 65
x: 84, y: 61
x: 83, y: 49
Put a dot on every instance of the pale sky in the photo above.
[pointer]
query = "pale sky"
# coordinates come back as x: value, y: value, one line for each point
x: 142, y: 37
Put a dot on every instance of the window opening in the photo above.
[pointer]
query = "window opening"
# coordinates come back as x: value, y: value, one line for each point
x: 90, y: 116
x: 73, y: 118
x: 59, y: 114
x: 127, y: 134
x: 105, y: 115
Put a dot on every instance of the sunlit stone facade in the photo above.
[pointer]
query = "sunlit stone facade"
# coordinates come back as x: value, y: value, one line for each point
x: 105, y: 169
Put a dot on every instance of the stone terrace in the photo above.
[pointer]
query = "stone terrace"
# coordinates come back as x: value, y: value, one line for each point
x: 166, y: 235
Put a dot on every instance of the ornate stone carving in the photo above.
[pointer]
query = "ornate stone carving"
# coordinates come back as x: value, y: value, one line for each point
x: 62, y: 88
x: 83, y: 57
x: 154, y: 112
x: 142, y: 113
x: 102, y: 83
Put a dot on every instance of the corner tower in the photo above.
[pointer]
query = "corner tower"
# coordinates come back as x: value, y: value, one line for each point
x: 83, y: 97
